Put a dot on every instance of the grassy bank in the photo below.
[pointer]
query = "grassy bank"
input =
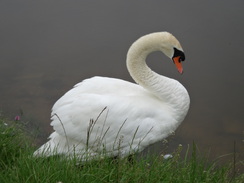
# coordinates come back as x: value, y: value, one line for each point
x: 18, y: 165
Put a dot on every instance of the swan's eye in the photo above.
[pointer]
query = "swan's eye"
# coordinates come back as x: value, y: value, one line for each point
x: 179, y: 53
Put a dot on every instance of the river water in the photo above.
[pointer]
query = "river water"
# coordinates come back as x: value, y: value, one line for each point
x: 48, y: 46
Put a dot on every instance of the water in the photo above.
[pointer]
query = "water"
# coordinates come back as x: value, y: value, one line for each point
x: 47, y: 47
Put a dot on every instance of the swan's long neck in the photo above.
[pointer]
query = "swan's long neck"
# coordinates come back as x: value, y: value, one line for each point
x: 166, y: 89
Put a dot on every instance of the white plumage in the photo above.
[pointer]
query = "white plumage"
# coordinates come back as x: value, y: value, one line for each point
x: 111, y: 115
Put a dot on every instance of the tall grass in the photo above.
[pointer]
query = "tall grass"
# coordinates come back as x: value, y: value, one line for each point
x: 18, y: 165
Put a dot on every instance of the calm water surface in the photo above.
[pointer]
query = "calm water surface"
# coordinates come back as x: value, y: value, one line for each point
x: 47, y: 47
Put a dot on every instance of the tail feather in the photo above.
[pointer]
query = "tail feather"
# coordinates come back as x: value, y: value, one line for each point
x: 55, y: 146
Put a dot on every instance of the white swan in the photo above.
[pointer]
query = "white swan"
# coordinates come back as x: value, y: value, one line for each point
x: 117, y: 116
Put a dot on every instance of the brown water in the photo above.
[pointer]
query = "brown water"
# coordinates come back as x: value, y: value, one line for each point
x: 48, y: 46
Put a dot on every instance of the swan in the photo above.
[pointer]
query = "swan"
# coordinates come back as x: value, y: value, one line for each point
x: 102, y: 114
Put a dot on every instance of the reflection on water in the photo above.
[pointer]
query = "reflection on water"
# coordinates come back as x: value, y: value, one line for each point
x: 47, y: 48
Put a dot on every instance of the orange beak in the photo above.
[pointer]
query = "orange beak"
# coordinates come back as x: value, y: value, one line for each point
x: 178, y: 64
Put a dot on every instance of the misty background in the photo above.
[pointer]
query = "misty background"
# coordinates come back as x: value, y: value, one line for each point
x: 48, y: 46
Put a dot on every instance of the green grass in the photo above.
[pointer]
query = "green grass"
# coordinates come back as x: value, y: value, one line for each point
x: 18, y: 165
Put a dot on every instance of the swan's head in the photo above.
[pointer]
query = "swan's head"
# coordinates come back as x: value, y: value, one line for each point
x: 171, y: 47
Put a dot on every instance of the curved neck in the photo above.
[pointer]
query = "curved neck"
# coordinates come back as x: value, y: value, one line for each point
x: 144, y: 76
x: 140, y: 72
x: 136, y: 60
x: 166, y: 89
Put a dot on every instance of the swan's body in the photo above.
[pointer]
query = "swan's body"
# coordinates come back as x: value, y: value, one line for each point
x: 118, y: 116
